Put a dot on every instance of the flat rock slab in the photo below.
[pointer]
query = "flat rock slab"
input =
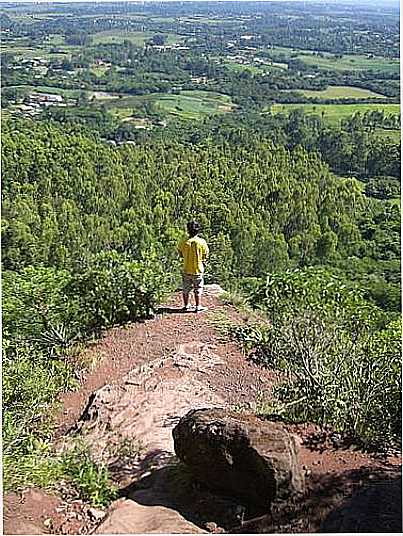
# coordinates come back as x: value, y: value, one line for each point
x: 129, y: 517
x: 240, y: 455
x: 150, y: 400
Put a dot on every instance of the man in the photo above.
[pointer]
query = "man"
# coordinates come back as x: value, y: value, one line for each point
x: 194, y: 251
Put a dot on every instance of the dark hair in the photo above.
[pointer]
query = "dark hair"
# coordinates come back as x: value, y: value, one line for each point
x: 193, y: 228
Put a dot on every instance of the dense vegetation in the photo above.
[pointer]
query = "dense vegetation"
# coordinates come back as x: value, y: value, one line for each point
x: 173, y: 116
x: 339, y: 352
x: 263, y: 208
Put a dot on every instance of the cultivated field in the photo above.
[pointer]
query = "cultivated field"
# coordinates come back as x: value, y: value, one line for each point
x: 254, y: 69
x: 342, y: 92
x: 332, y: 62
x: 67, y: 93
x: 137, y: 38
x: 186, y: 104
x: 51, y: 49
x: 334, y: 113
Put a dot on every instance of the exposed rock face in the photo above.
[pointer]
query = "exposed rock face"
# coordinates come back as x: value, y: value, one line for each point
x: 129, y: 517
x: 149, y: 401
x: 374, y: 509
x: 240, y: 455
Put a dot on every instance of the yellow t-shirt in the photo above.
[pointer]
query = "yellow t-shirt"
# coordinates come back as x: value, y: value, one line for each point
x: 194, y: 251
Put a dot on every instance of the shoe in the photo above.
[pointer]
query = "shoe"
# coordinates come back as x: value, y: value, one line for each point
x: 200, y: 309
x: 186, y: 308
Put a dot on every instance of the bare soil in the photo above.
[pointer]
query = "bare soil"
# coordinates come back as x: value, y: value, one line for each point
x: 164, y: 366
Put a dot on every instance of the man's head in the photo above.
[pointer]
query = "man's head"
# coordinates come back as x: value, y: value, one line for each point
x: 193, y: 228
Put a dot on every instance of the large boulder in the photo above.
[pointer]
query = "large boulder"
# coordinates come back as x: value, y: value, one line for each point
x: 129, y: 517
x: 240, y: 455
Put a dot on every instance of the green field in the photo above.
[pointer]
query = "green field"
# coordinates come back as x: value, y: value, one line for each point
x: 333, y: 113
x: 68, y: 93
x: 186, y: 105
x: 349, y: 62
x: 393, y: 135
x: 99, y: 70
x: 254, y: 69
x: 137, y: 38
x: 211, y: 21
x: 342, y: 92
x: 352, y: 63
x: 239, y: 67
x: 43, y: 52
x: 55, y: 40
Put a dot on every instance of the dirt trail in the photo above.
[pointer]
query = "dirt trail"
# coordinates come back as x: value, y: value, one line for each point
x: 123, y: 349
x: 149, y: 376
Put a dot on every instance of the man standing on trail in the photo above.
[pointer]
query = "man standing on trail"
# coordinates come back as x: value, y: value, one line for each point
x: 194, y: 251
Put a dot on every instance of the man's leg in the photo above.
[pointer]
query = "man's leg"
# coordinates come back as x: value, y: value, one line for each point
x: 186, y: 288
x: 185, y: 298
x: 198, y: 291
x: 198, y: 294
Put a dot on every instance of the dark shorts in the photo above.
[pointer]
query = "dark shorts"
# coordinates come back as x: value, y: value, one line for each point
x: 192, y: 282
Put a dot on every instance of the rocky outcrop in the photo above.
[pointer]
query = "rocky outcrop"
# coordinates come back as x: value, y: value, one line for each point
x: 240, y: 455
x: 377, y: 508
x: 129, y: 517
x: 148, y: 401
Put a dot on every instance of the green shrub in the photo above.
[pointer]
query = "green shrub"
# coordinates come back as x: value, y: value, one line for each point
x: 51, y: 308
x: 92, y: 480
x: 39, y: 466
x: 35, y: 301
x: 35, y: 466
x: 30, y: 385
x: 44, y: 312
x: 318, y: 290
x: 113, y: 289
x: 340, y: 353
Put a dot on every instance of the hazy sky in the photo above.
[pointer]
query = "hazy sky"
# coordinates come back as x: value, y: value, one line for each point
x: 366, y: 2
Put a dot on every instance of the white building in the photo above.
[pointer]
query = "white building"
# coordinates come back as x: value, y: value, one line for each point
x: 46, y: 98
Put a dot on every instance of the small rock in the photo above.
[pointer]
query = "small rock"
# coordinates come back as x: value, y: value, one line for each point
x: 211, y: 526
x: 48, y: 522
x: 96, y: 514
x: 299, y: 439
